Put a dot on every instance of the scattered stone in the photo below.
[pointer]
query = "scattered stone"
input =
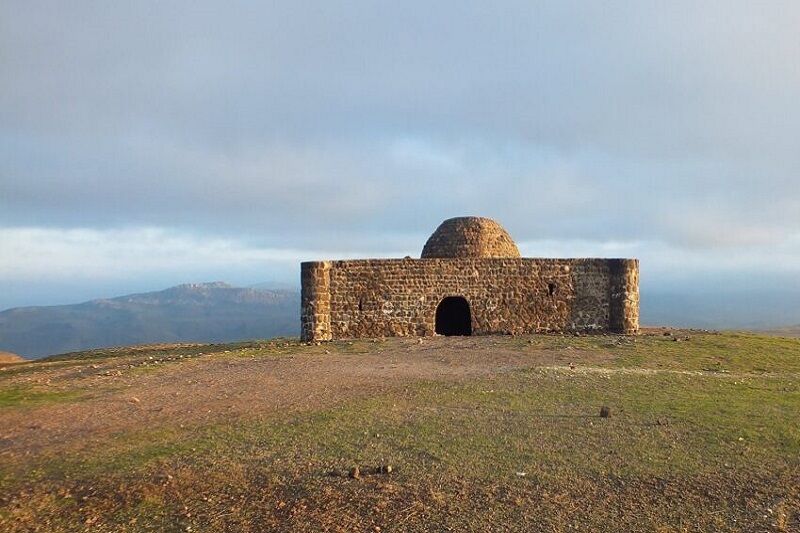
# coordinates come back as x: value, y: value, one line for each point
x: 164, y: 478
x: 605, y: 411
x: 384, y: 469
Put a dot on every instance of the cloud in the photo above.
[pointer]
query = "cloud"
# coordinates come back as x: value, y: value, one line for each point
x: 663, y: 264
x: 49, y: 266
x: 32, y: 253
x: 356, y: 127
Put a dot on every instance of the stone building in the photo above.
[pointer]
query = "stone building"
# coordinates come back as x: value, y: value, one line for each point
x: 470, y: 280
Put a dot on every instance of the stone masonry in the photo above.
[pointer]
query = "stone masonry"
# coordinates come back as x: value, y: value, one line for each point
x: 474, y: 260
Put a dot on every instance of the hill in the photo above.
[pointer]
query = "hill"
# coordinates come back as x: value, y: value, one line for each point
x: 201, y: 312
x: 8, y: 357
x: 439, y: 434
x: 790, y: 331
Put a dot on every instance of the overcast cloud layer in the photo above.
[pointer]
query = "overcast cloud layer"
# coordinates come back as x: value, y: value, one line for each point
x: 233, y: 139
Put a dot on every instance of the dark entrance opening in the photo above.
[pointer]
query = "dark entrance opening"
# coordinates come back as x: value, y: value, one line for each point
x: 453, y: 317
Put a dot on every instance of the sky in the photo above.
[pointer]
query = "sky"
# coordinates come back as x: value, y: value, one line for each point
x: 146, y: 144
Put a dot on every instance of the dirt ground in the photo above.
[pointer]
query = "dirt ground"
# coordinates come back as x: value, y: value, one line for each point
x: 216, y: 385
x: 484, y: 434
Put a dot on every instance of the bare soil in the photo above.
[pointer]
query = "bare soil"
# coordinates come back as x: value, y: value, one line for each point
x: 216, y: 385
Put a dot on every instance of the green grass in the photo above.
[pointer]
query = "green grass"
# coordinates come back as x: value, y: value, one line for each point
x: 701, y: 351
x: 732, y: 352
x: 33, y: 367
x: 27, y: 396
x: 541, y: 421
x: 704, y: 434
x: 664, y: 421
x: 439, y: 436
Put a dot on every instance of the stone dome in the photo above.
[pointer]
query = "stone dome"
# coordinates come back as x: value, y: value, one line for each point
x: 470, y: 237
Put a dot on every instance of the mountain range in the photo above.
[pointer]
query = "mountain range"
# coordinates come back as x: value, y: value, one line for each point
x: 195, y: 312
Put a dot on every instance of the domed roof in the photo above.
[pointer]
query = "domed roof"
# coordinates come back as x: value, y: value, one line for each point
x: 470, y: 237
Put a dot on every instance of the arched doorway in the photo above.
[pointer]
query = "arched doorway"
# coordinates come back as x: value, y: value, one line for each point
x: 453, y: 317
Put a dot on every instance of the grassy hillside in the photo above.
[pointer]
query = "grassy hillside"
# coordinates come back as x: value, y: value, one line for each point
x: 486, y: 434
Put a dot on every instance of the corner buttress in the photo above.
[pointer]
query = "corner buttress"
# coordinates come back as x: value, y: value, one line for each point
x: 315, y: 301
x: 624, y: 296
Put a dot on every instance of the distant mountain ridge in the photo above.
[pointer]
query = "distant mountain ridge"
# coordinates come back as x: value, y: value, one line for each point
x: 201, y: 312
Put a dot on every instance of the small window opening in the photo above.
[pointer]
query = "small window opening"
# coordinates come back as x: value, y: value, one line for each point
x: 551, y: 288
x: 360, y: 305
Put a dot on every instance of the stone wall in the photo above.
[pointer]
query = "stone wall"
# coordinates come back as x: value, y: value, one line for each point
x: 398, y: 297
